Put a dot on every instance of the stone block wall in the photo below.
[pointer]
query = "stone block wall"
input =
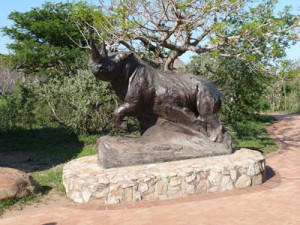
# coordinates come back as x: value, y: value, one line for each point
x: 85, y: 181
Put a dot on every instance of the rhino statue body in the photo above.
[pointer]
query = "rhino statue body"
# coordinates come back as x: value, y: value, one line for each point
x: 148, y: 93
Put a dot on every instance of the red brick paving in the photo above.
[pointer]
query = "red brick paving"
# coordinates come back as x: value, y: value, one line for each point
x: 277, y: 201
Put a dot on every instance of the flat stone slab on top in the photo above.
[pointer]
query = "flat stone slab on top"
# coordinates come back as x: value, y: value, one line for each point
x: 165, y: 141
x: 85, y: 181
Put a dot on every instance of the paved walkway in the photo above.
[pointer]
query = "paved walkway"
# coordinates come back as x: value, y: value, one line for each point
x: 275, y: 202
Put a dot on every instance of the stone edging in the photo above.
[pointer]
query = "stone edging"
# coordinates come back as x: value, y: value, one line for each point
x: 86, y: 182
x: 273, y: 180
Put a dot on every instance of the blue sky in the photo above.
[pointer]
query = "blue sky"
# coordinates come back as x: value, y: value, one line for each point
x: 7, y: 6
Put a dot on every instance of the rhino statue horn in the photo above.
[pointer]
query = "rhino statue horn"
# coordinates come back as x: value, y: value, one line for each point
x: 96, y: 55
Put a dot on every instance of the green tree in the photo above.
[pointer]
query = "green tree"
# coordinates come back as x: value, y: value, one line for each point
x: 46, y: 40
x: 242, y: 29
x: 51, y: 40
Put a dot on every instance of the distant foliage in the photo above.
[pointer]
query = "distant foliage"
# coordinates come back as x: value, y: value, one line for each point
x: 8, y: 79
x: 293, y: 98
x: 22, y: 109
x: 284, y: 90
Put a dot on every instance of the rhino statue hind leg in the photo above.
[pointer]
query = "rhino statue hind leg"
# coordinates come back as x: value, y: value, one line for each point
x: 208, y: 105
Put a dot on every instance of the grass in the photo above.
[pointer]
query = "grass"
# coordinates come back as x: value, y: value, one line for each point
x: 51, y: 178
x: 45, y: 148
x: 41, y: 152
x: 18, y: 203
x: 252, y: 133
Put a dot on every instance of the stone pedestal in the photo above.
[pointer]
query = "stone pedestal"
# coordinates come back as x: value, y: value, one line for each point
x: 85, y: 181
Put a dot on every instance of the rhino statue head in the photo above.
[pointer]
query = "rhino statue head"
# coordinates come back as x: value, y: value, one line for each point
x: 107, y: 66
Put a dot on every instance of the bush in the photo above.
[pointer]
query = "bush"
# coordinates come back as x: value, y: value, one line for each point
x: 22, y: 110
x: 242, y: 86
x: 79, y: 103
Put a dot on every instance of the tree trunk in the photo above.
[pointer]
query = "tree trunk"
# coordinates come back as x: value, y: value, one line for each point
x: 170, y: 60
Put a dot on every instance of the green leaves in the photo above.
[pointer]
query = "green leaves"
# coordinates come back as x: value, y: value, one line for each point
x: 79, y: 103
x: 243, y: 87
x: 256, y: 33
x: 44, y: 39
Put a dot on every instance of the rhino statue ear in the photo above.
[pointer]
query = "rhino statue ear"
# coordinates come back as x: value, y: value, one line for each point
x: 122, y: 56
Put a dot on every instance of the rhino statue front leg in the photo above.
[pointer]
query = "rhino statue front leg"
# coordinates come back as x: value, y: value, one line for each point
x: 126, y: 109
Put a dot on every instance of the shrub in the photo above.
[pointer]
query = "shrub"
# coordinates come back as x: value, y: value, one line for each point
x: 22, y: 110
x: 79, y: 103
x: 242, y: 86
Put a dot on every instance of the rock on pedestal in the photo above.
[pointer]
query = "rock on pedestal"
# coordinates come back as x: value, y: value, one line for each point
x: 85, y: 181
x: 163, y: 142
